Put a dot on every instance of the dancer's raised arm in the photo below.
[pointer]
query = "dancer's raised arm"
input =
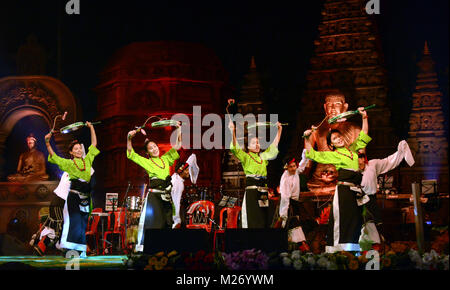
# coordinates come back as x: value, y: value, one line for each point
x: 365, y: 121
x: 130, y: 135
x: 47, y: 143
x: 233, y: 131
x: 277, y: 138
x: 179, y: 140
x: 93, y: 135
x: 307, y: 134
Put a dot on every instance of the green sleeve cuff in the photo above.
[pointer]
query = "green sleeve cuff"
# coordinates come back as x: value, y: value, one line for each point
x: 55, y: 159
x: 172, y: 155
x: 364, y: 137
x: 234, y: 148
x: 310, y: 153
x: 93, y: 150
x: 130, y: 154
x: 270, y: 153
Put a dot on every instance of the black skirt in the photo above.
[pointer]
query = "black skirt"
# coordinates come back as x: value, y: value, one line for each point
x: 76, y: 214
x: 345, y: 222
x: 254, y: 213
x: 157, y: 210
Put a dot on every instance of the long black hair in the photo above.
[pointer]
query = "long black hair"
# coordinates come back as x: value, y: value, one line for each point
x: 73, y: 143
x: 146, y: 144
x: 329, y: 138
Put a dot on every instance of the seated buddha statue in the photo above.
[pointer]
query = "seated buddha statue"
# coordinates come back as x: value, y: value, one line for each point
x: 31, y: 165
x: 324, y: 176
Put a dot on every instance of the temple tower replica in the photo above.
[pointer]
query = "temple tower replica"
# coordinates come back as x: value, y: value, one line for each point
x: 347, y: 58
x: 427, y: 134
x: 160, y: 78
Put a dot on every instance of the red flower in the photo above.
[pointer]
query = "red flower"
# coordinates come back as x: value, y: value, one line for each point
x: 231, y: 101
x: 199, y: 255
x: 209, y: 258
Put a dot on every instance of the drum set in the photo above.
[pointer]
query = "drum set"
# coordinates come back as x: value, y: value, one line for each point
x: 123, y: 221
x: 117, y: 229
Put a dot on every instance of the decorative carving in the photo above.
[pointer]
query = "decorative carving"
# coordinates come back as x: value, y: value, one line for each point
x: 21, y: 192
x: 427, y: 101
x: 28, y: 93
x: 429, y: 151
x: 431, y: 121
x: 42, y: 191
x: 146, y: 99
x: 427, y: 120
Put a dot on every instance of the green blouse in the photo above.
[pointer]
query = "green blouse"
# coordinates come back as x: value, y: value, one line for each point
x: 253, y: 163
x: 74, y: 167
x: 155, y: 166
x: 341, y: 157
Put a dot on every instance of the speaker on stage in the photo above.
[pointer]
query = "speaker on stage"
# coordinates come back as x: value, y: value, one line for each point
x: 10, y: 246
x: 268, y: 240
x: 181, y: 240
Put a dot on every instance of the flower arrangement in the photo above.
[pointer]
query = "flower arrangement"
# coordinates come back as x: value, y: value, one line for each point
x: 246, y: 260
x: 158, y: 261
x: 393, y: 256
x: 198, y: 261
x: 402, y: 259
x: 441, y: 242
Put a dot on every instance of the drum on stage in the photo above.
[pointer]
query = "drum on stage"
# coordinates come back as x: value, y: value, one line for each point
x: 191, y: 194
x: 134, y: 203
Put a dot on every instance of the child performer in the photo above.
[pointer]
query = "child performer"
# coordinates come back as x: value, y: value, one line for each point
x: 77, y: 207
x: 370, y: 170
x: 255, y: 211
x: 157, y: 210
x: 344, y: 226
x: 183, y: 170
x: 289, y: 202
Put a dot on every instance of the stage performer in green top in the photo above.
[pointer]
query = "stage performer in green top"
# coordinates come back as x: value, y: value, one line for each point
x: 345, y: 222
x: 78, y: 204
x: 257, y: 210
x: 157, y: 209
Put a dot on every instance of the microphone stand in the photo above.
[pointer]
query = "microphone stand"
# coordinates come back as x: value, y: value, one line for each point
x: 124, y: 204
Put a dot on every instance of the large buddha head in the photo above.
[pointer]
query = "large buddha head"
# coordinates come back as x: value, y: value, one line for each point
x: 31, y: 141
x: 335, y: 104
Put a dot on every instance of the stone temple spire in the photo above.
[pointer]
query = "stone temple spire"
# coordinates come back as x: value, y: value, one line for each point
x: 251, y: 95
x: 427, y: 135
x: 426, y: 131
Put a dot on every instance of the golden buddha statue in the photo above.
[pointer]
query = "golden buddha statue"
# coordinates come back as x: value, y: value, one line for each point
x: 31, y: 165
x: 324, y: 176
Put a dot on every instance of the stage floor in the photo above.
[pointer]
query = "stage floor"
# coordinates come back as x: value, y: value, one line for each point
x: 61, y: 263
